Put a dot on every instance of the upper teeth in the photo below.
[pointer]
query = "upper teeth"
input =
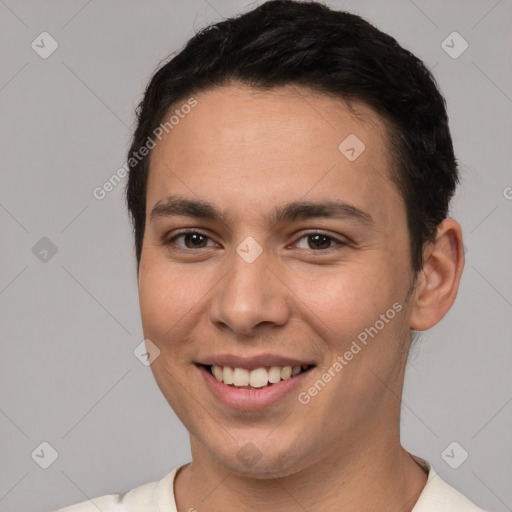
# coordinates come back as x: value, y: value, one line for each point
x: 257, y: 378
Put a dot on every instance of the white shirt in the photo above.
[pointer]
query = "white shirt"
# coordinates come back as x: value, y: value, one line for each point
x: 437, y: 496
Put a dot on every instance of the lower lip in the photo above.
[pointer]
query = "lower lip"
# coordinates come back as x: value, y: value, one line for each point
x: 251, y: 399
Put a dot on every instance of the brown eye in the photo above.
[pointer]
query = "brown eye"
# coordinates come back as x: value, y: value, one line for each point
x: 319, y: 241
x: 191, y: 240
x: 194, y: 239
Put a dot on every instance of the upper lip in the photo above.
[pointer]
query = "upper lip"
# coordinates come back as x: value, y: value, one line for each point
x: 253, y: 362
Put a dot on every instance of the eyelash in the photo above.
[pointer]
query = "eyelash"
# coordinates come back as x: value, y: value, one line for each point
x: 189, y: 231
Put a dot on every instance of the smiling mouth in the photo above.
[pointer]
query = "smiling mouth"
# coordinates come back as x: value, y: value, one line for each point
x: 242, y: 378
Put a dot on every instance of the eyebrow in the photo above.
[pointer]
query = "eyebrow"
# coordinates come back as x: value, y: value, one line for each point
x: 297, y: 210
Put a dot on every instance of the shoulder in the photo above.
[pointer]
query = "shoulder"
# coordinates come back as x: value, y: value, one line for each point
x: 144, y: 497
x: 439, y: 496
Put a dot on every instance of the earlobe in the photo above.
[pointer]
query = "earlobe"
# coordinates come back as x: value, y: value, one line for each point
x: 438, y: 281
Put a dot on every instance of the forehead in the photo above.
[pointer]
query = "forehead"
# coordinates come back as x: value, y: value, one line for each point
x: 256, y: 146
x: 239, y: 114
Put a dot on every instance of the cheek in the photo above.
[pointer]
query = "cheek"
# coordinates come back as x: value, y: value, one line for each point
x: 346, y: 300
x: 171, y: 298
x: 163, y: 297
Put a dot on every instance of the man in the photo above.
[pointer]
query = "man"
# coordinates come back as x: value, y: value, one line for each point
x: 290, y: 178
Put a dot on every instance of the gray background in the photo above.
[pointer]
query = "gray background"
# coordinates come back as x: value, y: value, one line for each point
x: 69, y: 324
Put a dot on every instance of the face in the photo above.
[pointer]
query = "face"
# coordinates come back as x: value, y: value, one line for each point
x: 296, y: 254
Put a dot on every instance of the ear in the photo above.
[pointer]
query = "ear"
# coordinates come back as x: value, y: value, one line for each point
x: 438, y: 281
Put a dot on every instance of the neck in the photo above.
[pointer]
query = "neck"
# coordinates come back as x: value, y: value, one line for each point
x: 380, y: 477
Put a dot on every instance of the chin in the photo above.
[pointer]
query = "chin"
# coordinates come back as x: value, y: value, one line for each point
x: 249, y: 461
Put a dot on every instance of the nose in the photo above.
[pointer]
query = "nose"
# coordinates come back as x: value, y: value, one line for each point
x: 250, y: 298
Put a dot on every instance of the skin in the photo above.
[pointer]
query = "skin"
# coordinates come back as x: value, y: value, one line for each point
x: 248, y: 151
